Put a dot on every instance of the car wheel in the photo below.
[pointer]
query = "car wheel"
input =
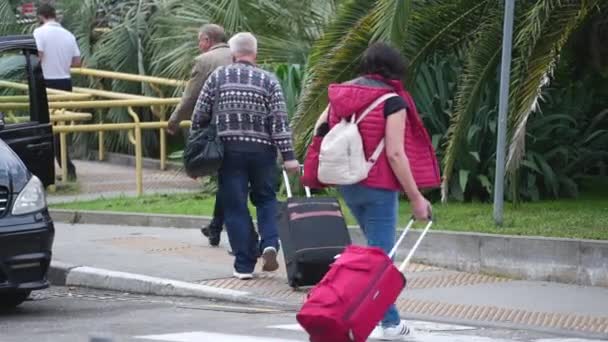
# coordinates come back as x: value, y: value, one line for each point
x: 13, y: 299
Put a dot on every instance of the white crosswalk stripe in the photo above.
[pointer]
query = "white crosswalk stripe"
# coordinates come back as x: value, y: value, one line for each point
x: 424, y: 332
x: 200, y: 336
x: 437, y: 332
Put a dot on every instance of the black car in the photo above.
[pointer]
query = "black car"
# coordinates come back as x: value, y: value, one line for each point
x: 26, y: 169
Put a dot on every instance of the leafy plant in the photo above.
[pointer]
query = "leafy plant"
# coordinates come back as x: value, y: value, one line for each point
x: 290, y: 76
x: 423, y: 28
x: 565, y: 140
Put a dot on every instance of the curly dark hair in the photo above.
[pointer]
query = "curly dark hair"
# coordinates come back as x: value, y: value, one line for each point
x: 382, y: 59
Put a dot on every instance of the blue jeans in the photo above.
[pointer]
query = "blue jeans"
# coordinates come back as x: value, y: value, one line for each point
x: 376, y: 212
x: 240, y: 170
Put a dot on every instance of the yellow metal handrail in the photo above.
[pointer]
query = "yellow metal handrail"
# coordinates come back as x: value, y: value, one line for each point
x: 111, y: 94
x: 96, y: 104
x: 127, y: 77
x: 134, y: 138
x: 64, y: 115
x: 23, y: 86
x: 61, y: 101
x: 159, y: 110
x: 54, y: 97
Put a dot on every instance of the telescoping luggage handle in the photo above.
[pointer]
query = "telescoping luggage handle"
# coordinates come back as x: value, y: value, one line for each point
x: 288, y: 186
x: 416, y: 245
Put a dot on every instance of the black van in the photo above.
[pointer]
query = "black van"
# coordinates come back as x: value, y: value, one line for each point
x: 26, y: 169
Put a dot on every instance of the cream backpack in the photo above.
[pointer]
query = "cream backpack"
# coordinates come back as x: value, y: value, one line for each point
x: 342, y: 157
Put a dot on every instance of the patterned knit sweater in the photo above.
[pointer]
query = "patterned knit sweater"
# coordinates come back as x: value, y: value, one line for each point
x: 251, y: 114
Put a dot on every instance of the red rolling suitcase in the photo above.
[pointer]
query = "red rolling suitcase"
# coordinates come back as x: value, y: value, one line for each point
x: 354, y: 295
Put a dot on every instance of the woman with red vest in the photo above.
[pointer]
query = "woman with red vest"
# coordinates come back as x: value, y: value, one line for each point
x: 375, y: 201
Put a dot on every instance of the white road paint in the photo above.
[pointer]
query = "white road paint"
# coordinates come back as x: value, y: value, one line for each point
x: 417, y: 325
x: 201, y: 336
x: 567, y: 340
x: 438, y: 332
x: 423, y: 332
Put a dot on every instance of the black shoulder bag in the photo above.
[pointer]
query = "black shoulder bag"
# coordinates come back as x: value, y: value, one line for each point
x: 204, y: 150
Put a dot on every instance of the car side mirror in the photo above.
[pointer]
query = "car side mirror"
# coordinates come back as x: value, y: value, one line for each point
x: 2, y: 121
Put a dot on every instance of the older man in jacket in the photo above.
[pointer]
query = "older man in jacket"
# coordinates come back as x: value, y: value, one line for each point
x: 215, y: 53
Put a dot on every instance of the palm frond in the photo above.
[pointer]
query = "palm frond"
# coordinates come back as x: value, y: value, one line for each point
x: 8, y: 21
x: 391, y: 19
x: 82, y: 22
x: 125, y: 48
x: 174, y: 37
x: 440, y: 26
x: 289, y: 29
x: 479, y: 68
x: 232, y: 13
x: 285, y: 29
x: 277, y: 49
x: 539, y: 42
x: 12, y: 67
x: 333, y: 59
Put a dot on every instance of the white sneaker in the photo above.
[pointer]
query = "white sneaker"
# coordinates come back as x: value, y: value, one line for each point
x: 242, y: 276
x: 269, y: 257
x: 399, y: 332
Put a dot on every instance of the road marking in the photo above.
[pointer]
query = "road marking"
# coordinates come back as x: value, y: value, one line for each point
x: 437, y: 332
x: 566, y: 340
x: 423, y: 332
x: 228, y: 308
x: 416, y: 325
x: 199, y: 336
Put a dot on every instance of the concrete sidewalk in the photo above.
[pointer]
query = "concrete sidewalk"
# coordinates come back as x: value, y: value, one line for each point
x: 180, y: 262
x: 100, y: 179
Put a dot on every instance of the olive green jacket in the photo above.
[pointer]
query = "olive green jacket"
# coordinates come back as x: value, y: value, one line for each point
x: 204, y: 65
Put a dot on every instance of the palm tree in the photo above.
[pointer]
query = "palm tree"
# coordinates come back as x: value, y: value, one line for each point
x: 159, y: 37
x: 471, y: 27
x: 286, y: 29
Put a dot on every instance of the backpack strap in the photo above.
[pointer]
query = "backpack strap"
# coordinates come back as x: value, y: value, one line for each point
x: 378, y: 151
x: 375, y: 104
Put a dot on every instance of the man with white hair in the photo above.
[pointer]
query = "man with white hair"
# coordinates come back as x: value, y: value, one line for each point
x: 251, y: 118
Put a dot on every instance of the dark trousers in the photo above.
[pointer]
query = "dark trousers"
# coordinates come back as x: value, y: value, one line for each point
x: 218, y: 213
x: 62, y: 84
x: 217, y: 223
x: 240, y: 172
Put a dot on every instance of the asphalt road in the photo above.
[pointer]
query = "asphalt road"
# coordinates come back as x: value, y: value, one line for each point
x: 75, y: 315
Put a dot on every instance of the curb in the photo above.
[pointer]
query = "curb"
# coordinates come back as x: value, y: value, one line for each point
x: 63, y: 199
x: 128, y: 219
x: 62, y: 274
x: 582, y: 262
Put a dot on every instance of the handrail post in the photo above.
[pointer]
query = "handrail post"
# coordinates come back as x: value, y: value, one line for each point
x: 101, y: 152
x: 163, y: 141
x: 161, y: 112
x: 101, y: 155
x: 138, y: 153
x: 63, y: 146
x: 100, y: 142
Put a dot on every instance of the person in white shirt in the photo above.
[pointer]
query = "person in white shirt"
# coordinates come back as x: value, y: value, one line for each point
x: 58, y: 52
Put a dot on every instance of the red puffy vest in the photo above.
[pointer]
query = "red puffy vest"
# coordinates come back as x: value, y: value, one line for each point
x: 353, y: 97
